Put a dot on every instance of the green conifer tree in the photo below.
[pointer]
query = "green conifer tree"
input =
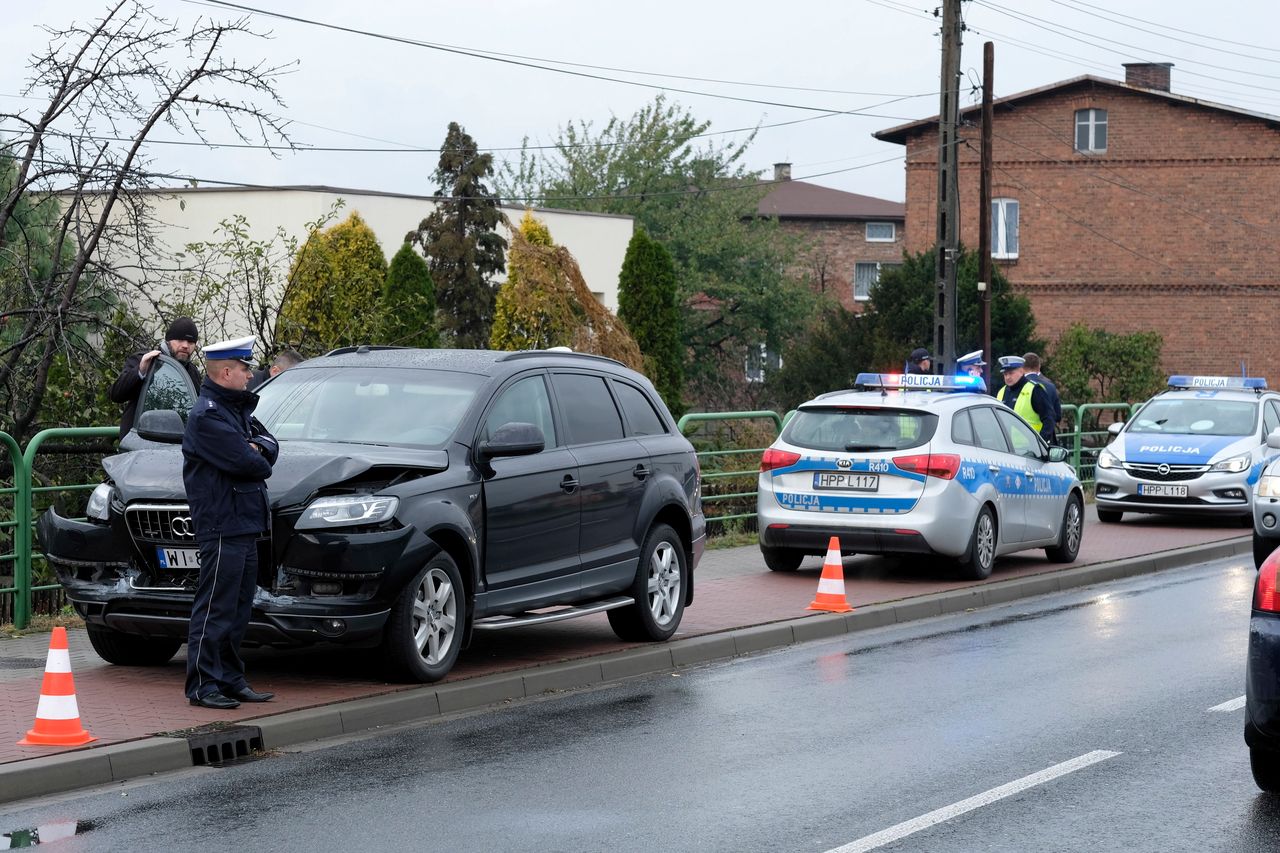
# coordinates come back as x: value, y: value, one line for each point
x: 409, y: 302
x: 649, y: 304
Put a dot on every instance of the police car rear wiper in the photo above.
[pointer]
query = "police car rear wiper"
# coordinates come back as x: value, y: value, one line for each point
x: 852, y: 448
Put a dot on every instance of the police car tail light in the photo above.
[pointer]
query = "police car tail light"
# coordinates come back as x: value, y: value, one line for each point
x: 1265, y: 595
x: 774, y: 458
x: 941, y: 465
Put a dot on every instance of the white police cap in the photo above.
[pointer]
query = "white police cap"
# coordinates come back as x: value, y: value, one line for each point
x: 972, y: 359
x: 236, y: 349
x: 1011, y: 362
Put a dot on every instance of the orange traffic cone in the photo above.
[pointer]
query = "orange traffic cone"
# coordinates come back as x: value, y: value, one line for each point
x: 830, y: 595
x: 57, y: 716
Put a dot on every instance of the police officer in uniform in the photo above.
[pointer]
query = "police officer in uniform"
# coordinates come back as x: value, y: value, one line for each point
x: 919, y: 361
x: 970, y: 364
x: 227, y: 457
x: 1026, y: 397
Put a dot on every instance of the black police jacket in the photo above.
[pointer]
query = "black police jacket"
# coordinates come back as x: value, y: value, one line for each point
x: 225, y: 477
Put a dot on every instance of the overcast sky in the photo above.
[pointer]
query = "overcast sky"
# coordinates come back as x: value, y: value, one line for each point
x: 880, y: 57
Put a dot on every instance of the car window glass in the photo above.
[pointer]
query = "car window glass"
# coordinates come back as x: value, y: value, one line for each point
x: 367, y: 405
x: 641, y: 417
x: 853, y: 430
x: 526, y: 402
x: 169, y: 388
x: 962, y: 429
x: 1024, y: 439
x: 588, y: 408
x: 1270, y: 418
x: 1196, y: 416
x: 987, y: 430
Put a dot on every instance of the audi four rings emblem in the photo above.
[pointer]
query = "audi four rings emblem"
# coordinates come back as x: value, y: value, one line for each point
x: 1163, y: 469
x: 182, y: 527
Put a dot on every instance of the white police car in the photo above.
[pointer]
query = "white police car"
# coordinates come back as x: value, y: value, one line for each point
x: 905, y: 465
x: 1196, y: 448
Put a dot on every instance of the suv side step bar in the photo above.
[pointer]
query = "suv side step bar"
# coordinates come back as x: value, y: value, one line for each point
x: 497, y: 623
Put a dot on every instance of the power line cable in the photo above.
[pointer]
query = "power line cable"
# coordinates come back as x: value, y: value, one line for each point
x: 1177, y: 30
x: 528, y: 64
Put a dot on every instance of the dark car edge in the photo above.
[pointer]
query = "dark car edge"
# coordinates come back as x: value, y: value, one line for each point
x: 523, y: 488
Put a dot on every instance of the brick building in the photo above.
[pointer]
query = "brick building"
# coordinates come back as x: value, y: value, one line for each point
x: 848, y: 238
x: 1126, y: 207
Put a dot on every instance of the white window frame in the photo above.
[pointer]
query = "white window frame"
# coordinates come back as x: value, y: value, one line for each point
x: 893, y: 232
x: 759, y: 362
x: 1093, y: 119
x: 875, y: 278
x: 1000, y: 210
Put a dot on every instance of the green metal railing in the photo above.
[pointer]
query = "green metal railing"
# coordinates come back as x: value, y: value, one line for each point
x: 713, y: 476
x: 1086, y: 444
x: 24, y: 556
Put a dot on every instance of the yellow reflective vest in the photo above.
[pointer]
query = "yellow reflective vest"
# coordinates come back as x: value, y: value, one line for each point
x: 1022, y: 405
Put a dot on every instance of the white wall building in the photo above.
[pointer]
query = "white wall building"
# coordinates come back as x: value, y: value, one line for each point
x: 188, y: 215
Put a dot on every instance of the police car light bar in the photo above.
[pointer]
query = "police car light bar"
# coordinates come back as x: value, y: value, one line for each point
x: 920, y: 382
x: 1253, y: 383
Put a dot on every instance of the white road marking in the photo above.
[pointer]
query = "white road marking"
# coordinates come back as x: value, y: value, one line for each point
x: 902, y: 830
x: 1234, y: 705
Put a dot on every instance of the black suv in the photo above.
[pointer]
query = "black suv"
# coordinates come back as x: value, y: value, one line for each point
x: 420, y: 495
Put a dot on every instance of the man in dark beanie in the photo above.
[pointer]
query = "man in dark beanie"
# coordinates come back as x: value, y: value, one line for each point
x: 179, y: 343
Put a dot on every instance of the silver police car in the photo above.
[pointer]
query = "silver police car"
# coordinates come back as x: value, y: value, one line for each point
x: 916, y: 464
x: 1197, y: 448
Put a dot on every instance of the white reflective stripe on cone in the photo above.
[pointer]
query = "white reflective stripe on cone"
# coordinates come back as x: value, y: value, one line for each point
x: 59, y: 661
x: 831, y: 587
x: 57, y: 708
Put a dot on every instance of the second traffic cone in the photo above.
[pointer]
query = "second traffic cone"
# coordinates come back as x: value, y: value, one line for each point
x: 58, y: 715
x: 830, y: 595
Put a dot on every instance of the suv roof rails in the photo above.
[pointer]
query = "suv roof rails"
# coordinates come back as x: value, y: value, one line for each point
x: 539, y: 353
x: 362, y: 348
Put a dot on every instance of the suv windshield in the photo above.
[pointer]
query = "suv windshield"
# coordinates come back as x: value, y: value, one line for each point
x: 1196, y: 417
x: 853, y: 430
x: 367, y: 405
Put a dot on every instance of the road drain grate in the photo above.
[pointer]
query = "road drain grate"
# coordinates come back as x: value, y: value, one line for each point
x: 224, y: 745
x: 21, y: 663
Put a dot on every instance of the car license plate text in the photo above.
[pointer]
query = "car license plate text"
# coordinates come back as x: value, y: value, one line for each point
x: 846, y: 480
x: 1162, y: 491
x: 178, y: 558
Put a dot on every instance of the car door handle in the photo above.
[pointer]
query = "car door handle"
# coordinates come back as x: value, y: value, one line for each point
x: 1031, y: 475
x: 640, y: 472
x: 569, y: 483
x: 994, y: 469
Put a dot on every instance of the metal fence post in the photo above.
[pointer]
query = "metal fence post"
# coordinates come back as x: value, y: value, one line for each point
x: 22, y: 594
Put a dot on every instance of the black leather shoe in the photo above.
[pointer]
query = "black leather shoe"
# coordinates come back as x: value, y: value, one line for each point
x: 248, y: 694
x: 216, y: 701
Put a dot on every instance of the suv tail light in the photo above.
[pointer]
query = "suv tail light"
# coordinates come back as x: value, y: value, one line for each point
x: 1265, y: 595
x: 774, y: 458
x: 941, y: 465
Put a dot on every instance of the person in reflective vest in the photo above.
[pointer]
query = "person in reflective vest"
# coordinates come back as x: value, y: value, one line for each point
x: 1026, y: 397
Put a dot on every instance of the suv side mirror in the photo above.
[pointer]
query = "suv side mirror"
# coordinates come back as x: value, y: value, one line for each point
x: 1057, y: 454
x: 161, y: 425
x: 1115, y: 428
x: 513, y: 439
x: 1273, y: 439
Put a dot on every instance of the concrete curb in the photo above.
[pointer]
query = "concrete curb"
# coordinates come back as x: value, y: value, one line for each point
x: 118, y: 762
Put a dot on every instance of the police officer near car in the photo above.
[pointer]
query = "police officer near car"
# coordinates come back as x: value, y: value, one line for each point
x: 1032, y: 364
x: 179, y: 344
x: 970, y: 364
x: 227, y: 456
x: 919, y: 361
x: 1026, y: 397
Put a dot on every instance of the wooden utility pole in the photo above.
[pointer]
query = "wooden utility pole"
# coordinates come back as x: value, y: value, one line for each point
x: 984, y: 210
x: 944, y: 314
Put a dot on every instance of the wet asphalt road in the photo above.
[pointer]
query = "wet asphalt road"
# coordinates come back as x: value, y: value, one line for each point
x: 805, y: 749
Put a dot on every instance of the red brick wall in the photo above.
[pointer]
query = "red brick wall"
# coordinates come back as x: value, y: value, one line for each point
x: 1173, y: 229
x: 832, y: 248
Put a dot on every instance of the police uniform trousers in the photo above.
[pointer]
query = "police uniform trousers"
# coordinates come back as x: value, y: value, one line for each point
x: 220, y: 615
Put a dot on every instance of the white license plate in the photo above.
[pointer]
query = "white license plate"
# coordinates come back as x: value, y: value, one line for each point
x: 178, y: 558
x: 846, y: 480
x: 1162, y: 491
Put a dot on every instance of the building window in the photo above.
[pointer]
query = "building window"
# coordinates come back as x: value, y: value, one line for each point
x: 1091, y: 131
x: 1004, y: 228
x: 760, y: 360
x: 865, y: 275
x: 881, y: 232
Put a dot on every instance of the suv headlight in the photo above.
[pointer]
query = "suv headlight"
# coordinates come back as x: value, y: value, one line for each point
x: 99, y: 508
x: 347, y: 510
x: 1268, y: 486
x: 1107, y: 459
x: 1234, y: 465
